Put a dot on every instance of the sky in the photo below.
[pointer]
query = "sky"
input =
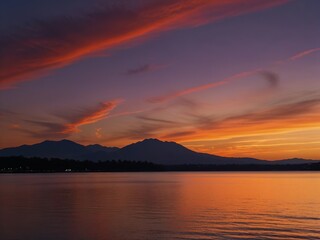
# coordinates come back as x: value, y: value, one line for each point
x: 236, y: 78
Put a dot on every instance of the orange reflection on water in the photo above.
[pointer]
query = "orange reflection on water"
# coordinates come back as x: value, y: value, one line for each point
x: 161, y: 205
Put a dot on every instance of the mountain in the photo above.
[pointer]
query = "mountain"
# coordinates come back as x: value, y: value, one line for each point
x: 149, y: 150
x: 49, y: 149
x: 171, y: 153
x: 57, y: 149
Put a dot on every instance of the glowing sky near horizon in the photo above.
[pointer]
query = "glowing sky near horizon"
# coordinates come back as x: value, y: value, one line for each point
x: 228, y: 77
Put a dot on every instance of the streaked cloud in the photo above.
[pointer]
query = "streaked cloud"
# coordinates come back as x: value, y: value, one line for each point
x: 289, y: 116
x: 304, y: 54
x: 299, y: 112
x: 143, y: 69
x: 45, y: 45
x: 173, y: 95
x: 150, y: 119
x: 89, y: 116
x: 278, y: 145
x: 288, y: 110
x: 178, y: 134
x: 72, y: 123
x: 271, y: 77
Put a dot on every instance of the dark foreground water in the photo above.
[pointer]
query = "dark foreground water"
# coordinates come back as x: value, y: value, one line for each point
x: 154, y: 206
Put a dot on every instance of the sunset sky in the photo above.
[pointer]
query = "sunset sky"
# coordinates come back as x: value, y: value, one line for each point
x: 227, y: 77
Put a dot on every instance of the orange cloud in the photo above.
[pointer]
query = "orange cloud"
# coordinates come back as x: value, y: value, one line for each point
x: 72, y: 124
x: 92, y: 116
x: 281, y: 118
x: 299, y: 112
x: 47, y: 45
x: 98, y: 133
x: 286, y: 117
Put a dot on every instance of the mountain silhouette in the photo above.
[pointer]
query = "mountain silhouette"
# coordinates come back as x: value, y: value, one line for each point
x: 57, y: 149
x: 149, y: 150
x: 171, y: 153
x: 50, y: 149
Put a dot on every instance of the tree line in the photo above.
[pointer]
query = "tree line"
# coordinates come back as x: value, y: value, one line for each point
x: 17, y: 164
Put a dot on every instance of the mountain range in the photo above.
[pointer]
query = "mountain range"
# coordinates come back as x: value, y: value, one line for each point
x: 149, y: 150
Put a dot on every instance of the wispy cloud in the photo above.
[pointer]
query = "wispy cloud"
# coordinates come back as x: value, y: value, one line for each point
x: 298, y: 112
x: 304, y: 54
x: 49, y: 44
x: 178, y: 134
x: 158, y: 120
x: 89, y: 116
x: 143, y: 69
x: 264, y: 127
x: 279, y: 112
x: 153, y: 122
x: 271, y: 77
x: 173, y: 95
x: 71, y: 124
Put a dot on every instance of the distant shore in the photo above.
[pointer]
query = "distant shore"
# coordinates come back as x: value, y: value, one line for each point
x: 44, y: 165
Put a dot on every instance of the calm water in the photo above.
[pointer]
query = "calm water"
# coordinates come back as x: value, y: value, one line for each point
x: 141, y: 206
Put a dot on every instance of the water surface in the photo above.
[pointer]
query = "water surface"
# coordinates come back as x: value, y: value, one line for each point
x: 96, y: 206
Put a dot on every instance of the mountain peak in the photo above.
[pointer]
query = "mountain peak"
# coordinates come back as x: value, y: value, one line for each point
x: 58, y: 141
x: 65, y: 140
x: 155, y: 140
x: 156, y: 143
x: 151, y: 140
x: 94, y: 145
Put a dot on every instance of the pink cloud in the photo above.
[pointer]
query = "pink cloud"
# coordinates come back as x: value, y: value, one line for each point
x: 51, y: 44
x: 304, y: 54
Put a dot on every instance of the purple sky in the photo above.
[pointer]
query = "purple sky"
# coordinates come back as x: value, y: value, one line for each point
x: 233, y: 78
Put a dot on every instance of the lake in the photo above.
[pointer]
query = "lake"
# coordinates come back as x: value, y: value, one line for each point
x: 204, y: 205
